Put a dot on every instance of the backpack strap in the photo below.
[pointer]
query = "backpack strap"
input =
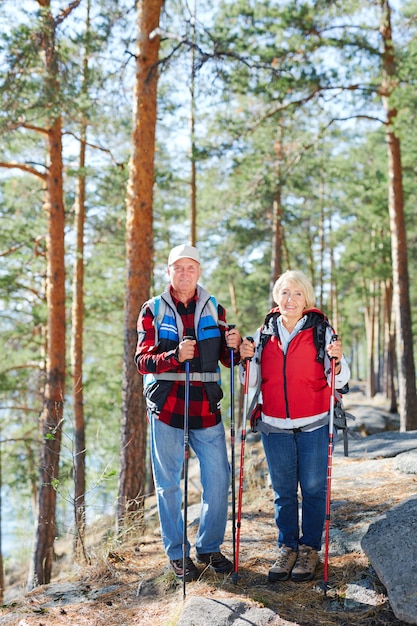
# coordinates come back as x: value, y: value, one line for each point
x: 214, y: 310
x: 158, y: 312
x: 158, y: 306
x: 319, y: 334
x: 340, y: 423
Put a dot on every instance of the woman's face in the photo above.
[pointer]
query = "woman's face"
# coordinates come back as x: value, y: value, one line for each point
x: 291, y: 301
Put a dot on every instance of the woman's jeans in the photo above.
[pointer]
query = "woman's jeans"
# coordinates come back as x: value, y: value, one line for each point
x: 167, y: 451
x: 298, y: 459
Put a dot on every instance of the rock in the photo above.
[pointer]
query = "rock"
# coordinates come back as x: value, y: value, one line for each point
x: 407, y: 462
x: 391, y: 546
x: 360, y: 594
x: 381, y: 445
x: 371, y: 419
x: 200, y: 611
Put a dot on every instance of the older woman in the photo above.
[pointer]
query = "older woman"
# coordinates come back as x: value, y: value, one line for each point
x: 293, y: 419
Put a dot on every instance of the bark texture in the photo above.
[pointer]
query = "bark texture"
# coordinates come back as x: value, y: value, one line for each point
x: 139, y: 255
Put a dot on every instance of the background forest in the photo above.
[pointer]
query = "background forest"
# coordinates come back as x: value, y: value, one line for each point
x: 271, y: 134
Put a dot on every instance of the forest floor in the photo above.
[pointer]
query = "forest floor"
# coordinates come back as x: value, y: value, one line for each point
x: 129, y: 583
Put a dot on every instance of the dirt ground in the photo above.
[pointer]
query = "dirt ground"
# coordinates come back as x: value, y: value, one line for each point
x: 129, y: 584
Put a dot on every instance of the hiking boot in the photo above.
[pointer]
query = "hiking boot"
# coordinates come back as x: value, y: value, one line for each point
x: 191, y: 572
x: 217, y: 561
x: 282, y: 567
x: 305, y: 565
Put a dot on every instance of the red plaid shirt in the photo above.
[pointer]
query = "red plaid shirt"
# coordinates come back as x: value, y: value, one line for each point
x: 149, y: 360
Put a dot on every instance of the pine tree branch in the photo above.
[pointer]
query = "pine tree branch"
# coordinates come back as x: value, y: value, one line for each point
x: 65, y: 12
x: 23, y: 167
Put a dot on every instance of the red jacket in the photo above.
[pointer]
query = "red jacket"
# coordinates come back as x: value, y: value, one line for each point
x: 293, y: 385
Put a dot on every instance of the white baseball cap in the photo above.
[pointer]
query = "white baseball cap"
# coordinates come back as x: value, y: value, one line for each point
x: 184, y: 251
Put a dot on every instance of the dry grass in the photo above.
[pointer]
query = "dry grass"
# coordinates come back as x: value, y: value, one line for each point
x: 129, y: 584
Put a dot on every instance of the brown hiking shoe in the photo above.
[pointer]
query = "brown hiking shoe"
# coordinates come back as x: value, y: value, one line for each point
x: 282, y: 567
x: 217, y: 561
x: 306, y: 564
x: 191, y: 572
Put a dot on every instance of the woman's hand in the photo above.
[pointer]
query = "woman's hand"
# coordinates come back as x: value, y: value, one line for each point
x: 247, y: 349
x: 335, y: 351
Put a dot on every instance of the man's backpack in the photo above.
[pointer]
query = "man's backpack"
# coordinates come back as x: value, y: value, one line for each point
x: 158, y: 306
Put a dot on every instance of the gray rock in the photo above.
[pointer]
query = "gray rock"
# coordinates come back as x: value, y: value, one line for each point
x: 200, y: 611
x: 360, y: 594
x: 372, y: 419
x: 381, y: 445
x: 407, y: 462
x: 391, y: 546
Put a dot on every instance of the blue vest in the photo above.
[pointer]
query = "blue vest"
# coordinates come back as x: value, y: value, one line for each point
x: 169, y: 332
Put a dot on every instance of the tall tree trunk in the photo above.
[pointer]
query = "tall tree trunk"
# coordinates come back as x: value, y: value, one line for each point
x: 233, y: 298
x: 193, y: 152
x: 389, y: 347
x: 322, y: 238
x: 276, y: 258
x: 401, y: 297
x: 370, y: 330
x: 310, y: 260
x: 77, y: 316
x: 378, y: 337
x: 139, y: 253
x: 52, y: 415
x: 78, y: 325
x: 276, y: 220
x: 334, y: 303
x: 77, y: 352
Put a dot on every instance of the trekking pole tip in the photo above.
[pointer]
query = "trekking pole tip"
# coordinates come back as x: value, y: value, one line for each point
x: 324, y: 587
x: 235, y: 577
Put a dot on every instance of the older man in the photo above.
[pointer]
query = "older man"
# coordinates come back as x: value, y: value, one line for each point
x: 184, y: 324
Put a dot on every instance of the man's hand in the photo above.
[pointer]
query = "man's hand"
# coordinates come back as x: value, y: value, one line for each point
x: 233, y: 338
x: 186, y: 349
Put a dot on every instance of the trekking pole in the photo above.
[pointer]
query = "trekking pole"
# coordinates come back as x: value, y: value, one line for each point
x: 329, y: 467
x: 186, y: 455
x: 242, y: 460
x: 232, y: 446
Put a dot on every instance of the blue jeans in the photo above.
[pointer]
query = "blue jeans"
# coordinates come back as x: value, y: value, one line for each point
x: 167, y: 452
x: 298, y: 459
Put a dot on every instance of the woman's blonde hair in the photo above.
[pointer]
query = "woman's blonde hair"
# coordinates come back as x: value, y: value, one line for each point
x: 299, y: 279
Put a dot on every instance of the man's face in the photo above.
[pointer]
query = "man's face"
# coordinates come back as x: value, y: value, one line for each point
x: 184, y: 275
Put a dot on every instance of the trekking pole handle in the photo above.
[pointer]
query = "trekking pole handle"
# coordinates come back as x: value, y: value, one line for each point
x: 333, y: 359
x: 247, y: 361
x: 249, y: 358
x: 333, y: 362
x: 231, y: 327
x: 190, y: 338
